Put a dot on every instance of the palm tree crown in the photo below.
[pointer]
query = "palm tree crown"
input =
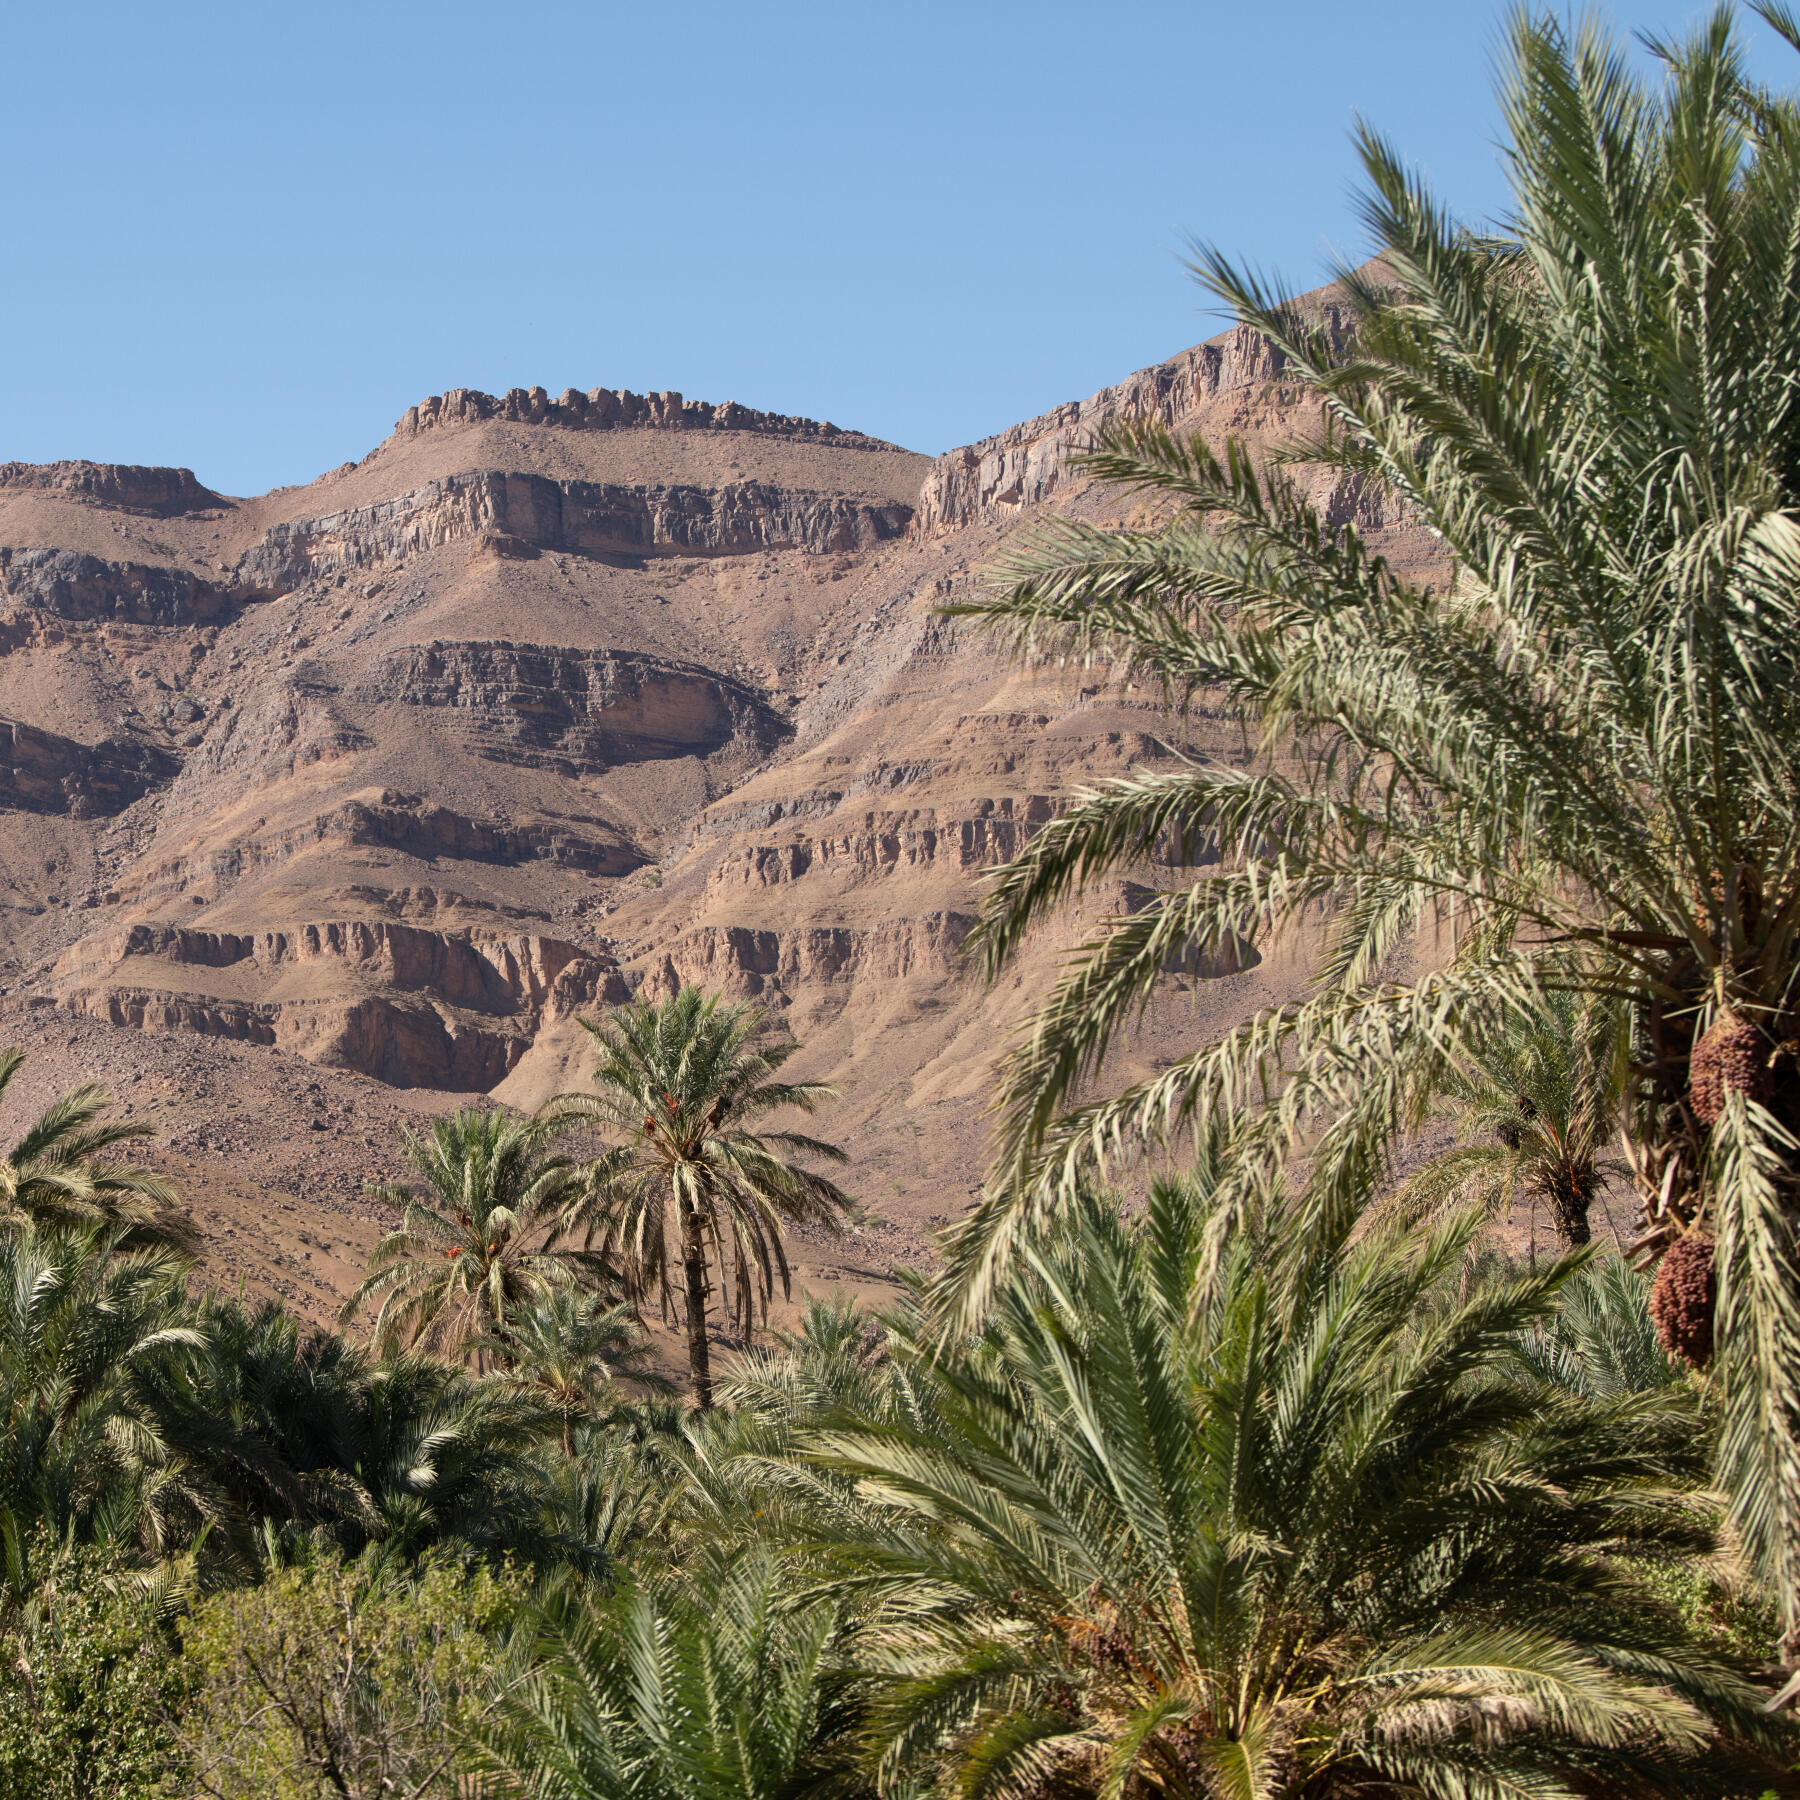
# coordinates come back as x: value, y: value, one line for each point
x: 1287, y: 1528
x: 725, y: 1689
x: 83, y: 1452
x: 1581, y: 753
x: 1537, y: 1107
x: 474, y: 1246
x: 569, y: 1350
x: 683, y: 1084
x: 56, y: 1173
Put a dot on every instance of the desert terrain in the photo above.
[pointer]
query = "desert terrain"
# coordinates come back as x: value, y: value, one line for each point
x: 326, y: 811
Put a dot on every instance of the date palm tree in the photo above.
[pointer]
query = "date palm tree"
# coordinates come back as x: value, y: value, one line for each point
x: 301, y: 1434
x: 474, y: 1246
x: 836, y: 1362
x: 1287, y: 1528
x: 694, y: 1182
x: 1537, y: 1108
x: 439, y: 1455
x: 1579, y: 756
x: 723, y: 1687
x: 1599, y: 1342
x: 569, y: 1350
x: 83, y: 1453
x: 58, y: 1171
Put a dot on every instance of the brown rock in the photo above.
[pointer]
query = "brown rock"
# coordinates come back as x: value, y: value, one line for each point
x: 543, y: 702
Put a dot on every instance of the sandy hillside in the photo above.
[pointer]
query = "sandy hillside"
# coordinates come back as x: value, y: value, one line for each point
x: 324, y: 811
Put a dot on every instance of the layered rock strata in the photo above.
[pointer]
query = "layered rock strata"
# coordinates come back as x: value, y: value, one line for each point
x: 524, y: 514
x: 70, y: 584
x: 45, y: 773
x: 1031, y: 463
x: 616, y: 409
x: 544, y: 707
x: 410, y: 1007
x: 395, y: 776
x: 148, y: 492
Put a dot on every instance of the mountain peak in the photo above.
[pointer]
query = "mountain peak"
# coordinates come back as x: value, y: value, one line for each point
x: 616, y: 409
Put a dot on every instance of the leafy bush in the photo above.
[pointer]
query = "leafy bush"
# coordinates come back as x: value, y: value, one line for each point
x: 90, y: 1680
x: 343, y: 1677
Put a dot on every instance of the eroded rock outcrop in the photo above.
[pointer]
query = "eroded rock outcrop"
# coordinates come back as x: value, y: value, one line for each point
x: 392, y: 820
x: 613, y: 409
x: 409, y: 823
x: 891, y: 842
x: 579, y: 710
x: 410, y: 1007
x: 70, y: 584
x: 120, y: 487
x: 492, y: 973
x: 746, y: 963
x: 42, y: 772
x: 518, y: 514
x: 1029, y: 464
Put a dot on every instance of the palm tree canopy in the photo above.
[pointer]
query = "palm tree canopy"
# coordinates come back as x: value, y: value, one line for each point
x: 720, y: 1689
x: 1293, y: 1522
x: 1536, y: 1108
x: 84, y: 1320
x: 475, y: 1244
x: 58, y: 1171
x: 1599, y: 1342
x: 1583, y: 752
x: 836, y: 1362
x: 570, y: 1349
x: 685, y: 1086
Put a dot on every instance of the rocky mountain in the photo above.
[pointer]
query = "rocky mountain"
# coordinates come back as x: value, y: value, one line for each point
x: 330, y: 809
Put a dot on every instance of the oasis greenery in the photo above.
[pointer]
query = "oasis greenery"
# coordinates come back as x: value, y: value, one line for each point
x: 1273, y: 1478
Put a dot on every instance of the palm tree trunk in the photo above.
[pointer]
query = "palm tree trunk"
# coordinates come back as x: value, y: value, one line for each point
x: 693, y: 1248
x: 1570, y: 1192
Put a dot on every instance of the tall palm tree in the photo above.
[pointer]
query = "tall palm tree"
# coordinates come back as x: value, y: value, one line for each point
x: 1156, y: 1540
x: 1579, y: 753
x: 683, y: 1084
x: 1537, y: 1107
x: 474, y: 1246
x: 58, y: 1172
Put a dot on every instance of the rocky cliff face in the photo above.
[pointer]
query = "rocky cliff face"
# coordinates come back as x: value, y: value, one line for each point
x: 1029, y: 464
x: 1235, y: 384
x: 43, y: 773
x: 521, y: 515
x: 155, y: 493
x: 541, y: 706
x: 614, y: 409
x: 358, y: 796
x: 69, y: 584
x: 407, y: 1006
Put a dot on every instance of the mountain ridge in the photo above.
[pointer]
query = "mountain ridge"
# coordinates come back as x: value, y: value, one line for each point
x: 303, y: 795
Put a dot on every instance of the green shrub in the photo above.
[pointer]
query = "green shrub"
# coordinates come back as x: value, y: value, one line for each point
x: 343, y: 1678
x: 90, y: 1683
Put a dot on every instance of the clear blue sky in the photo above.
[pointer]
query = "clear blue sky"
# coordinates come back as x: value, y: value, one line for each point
x: 245, y: 237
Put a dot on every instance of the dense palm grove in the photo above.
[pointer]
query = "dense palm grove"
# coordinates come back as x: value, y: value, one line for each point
x: 1261, y: 1465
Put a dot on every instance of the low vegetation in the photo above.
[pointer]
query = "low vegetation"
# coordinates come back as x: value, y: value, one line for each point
x: 1281, y: 1475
